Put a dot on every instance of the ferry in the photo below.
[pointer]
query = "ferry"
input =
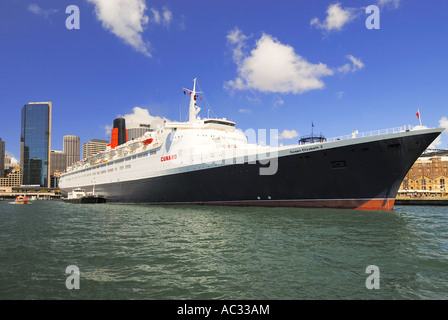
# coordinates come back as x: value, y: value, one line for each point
x: 210, y: 162
x: 21, y: 200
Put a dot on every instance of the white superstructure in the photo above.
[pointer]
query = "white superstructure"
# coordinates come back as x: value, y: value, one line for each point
x: 172, y: 148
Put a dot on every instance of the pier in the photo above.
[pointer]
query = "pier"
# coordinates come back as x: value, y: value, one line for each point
x: 422, y: 199
x: 37, y: 193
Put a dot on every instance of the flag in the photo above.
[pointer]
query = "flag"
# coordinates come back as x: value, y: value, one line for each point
x: 418, y: 114
x: 312, y: 123
x: 184, y: 92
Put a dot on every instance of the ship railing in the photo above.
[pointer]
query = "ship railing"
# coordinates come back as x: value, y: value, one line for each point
x: 379, y: 132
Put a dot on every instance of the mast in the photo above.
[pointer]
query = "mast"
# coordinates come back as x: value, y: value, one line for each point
x: 194, y: 109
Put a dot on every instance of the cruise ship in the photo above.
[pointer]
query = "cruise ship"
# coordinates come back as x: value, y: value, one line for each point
x: 210, y: 162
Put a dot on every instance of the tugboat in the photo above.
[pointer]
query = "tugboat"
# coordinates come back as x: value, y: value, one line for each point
x: 21, y: 200
x: 79, y: 195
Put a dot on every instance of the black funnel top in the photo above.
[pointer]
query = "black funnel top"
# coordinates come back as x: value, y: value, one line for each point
x: 120, y: 123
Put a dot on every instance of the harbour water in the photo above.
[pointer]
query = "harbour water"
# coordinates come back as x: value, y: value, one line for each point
x: 200, y: 252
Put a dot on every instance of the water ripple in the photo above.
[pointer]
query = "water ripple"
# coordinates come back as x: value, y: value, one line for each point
x: 150, y: 252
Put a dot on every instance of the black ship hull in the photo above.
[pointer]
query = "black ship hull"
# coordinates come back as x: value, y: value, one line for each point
x: 362, y: 174
x: 86, y: 199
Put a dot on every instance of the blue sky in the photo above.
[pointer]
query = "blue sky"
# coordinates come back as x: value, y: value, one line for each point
x: 263, y: 64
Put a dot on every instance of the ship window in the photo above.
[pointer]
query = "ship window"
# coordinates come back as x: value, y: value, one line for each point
x: 220, y: 122
x: 338, y: 164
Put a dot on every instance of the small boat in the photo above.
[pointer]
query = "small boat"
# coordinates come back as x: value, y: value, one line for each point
x: 80, y: 196
x: 21, y: 200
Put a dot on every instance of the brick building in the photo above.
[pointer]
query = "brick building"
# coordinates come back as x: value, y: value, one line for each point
x: 429, y: 175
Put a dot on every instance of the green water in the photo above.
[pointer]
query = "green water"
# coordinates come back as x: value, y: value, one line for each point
x: 184, y: 252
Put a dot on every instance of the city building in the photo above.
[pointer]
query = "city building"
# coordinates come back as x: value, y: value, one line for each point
x: 428, y: 175
x: 2, y: 158
x: 137, y: 132
x: 71, y: 148
x: 7, y: 162
x: 12, y: 179
x: 58, y: 162
x: 429, y: 166
x: 93, y: 147
x: 35, y: 143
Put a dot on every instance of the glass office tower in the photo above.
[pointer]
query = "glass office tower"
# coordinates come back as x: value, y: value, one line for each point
x: 35, y: 143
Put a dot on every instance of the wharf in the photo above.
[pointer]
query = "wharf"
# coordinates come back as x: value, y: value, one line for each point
x: 426, y: 201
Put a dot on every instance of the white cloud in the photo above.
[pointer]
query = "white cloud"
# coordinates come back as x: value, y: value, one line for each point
x: 278, y: 102
x: 356, y: 65
x: 273, y: 67
x: 336, y: 18
x: 141, y: 115
x: 394, y: 3
x: 246, y: 111
x: 108, y: 129
x: 156, y: 16
x: 138, y: 116
x: 443, y: 123
x: 125, y: 19
x: 238, y: 40
x: 340, y: 94
x: 35, y: 9
x: 288, y: 134
x: 165, y: 17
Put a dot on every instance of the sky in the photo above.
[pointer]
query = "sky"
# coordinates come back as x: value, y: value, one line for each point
x: 284, y: 65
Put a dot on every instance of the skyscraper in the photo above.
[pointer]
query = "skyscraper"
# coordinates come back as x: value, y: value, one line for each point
x: 137, y: 132
x: 71, y: 148
x: 2, y: 158
x: 58, y: 162
x: 35, y: 143
x: 93, y: 147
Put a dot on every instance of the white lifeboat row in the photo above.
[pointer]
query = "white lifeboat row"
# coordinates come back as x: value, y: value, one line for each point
x: 147, y: 142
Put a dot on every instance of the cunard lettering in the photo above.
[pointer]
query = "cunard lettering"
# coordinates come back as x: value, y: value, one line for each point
x: 167, y: 158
